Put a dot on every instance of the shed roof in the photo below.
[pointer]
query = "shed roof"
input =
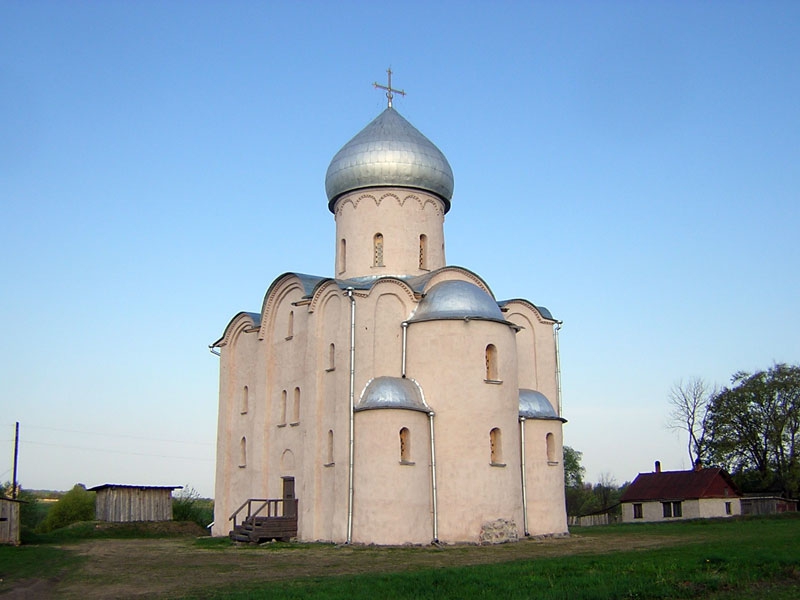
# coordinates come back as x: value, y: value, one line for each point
x: 104, y: 486
x: 712, y: 482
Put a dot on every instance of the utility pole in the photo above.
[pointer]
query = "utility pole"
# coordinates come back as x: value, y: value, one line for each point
x: 16, y: 454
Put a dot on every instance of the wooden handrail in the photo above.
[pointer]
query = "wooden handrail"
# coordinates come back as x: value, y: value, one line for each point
x: 271, y: 504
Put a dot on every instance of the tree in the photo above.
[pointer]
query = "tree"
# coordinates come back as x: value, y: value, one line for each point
x: 753, y: 428
x: 74, y: 506
x: 689, y: 404
x: 573, y: 470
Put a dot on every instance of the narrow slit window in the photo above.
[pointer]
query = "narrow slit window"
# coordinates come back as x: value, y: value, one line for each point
x: 550, y: 443
x: 282, y: 420
x: 405, y: 445
x: 377, y: 243
x: 243, y: 452
x: 491, y: 363
x: 329, y: 460
x: 290, y: 326
x: 296, y: 407
x: 496, y: 445
x: 342, y: 255
x: 331, y: 357
x: 423, y: 251
x: 243, y: 408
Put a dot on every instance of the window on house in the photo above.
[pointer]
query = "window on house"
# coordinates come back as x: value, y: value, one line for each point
x: 677, y: 509
x: 377, y: 243
x: 405, y: 446
x: 728, y: 508
x: 491, y: 363
x: 550, y: 443
x: 243, y: 408
x: 423, y: 251
x: 282, y: 420
x: 296, y: 407
x: 496, y: 446
x: 243, y: 452
x: 666, y: 509
x: 637, y: 511
x: 342, y: 255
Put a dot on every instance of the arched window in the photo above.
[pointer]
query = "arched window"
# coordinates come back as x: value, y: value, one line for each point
x: 296, y: 407
x: 243, y: 452
x: 290, y: 327
x: 282, y: 420
x: 342, y: 255
x: 377, y: 244
x: 405, y: 445
x: 243, y: 408
x: 331, y: 357
x: 329, y: 460
x: 491, y: 363
x: 496, y: 445
x: 550, y: 442
x: 423, y: 251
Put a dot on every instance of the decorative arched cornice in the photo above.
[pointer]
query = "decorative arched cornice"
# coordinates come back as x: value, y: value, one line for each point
x: 240, y: 323
x: 404, y: 287
x: 280, y: 288
x: 325, y: 289
x: 422, y: 200
x: 542, y: 315
x: 446, y: 274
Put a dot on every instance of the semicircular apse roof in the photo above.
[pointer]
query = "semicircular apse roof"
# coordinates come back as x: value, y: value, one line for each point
x: 457, y: 299
x: 535, y: 405
x: 389, y: 151
x: 392, y: 392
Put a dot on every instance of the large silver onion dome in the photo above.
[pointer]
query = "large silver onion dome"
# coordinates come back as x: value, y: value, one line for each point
x: 389, y: 151
x: 535, y: 405
x: 392, y: 392
x: 457, y: 299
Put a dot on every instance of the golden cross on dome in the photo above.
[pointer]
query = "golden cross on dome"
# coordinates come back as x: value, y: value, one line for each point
x: 389, y: 89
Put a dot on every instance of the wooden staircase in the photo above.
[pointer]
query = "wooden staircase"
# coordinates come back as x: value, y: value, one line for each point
x: 265, y: 519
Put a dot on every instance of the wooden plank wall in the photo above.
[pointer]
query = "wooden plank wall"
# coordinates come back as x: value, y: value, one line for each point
x: 124, y: 504
x: 9, y: 522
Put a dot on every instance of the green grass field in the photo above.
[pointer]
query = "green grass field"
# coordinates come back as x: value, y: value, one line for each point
x: 752, y: 558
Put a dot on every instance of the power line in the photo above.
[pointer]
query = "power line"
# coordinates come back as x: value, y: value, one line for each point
x: 119, y: 435
x: 107, y: 451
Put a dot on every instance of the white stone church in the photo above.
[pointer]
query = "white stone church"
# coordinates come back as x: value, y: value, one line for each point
x: 397, y: 401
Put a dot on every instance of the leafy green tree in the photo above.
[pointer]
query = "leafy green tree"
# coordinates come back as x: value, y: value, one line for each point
x: 573, y: 470
x: 753, y: 428
x: 74, y: 506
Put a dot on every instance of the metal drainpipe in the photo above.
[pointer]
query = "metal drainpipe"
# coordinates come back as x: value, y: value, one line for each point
x: 522, y: 471
x: 405, y: 339
x: 558, y: 368
x: 431, y: 414
x: 352, y: 404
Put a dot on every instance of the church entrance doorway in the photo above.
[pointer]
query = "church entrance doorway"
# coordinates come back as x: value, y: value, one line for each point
x: 289, y: 505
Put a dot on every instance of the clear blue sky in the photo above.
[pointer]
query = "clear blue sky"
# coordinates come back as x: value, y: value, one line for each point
x: 632, y: 166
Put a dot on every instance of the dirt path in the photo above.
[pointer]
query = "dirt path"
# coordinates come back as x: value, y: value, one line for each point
x: 164, y: 568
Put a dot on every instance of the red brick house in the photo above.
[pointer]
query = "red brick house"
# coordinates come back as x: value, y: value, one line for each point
x: 669, y: 495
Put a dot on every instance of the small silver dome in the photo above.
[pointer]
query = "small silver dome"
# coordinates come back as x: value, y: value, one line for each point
x: 457, y: 299
x: 392, y: 392
x: 535, y: 405
x: 389, y: 151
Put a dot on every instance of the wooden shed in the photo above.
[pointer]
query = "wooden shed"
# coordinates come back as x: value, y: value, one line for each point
x: 123, y: 503
x: 9, y: 521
